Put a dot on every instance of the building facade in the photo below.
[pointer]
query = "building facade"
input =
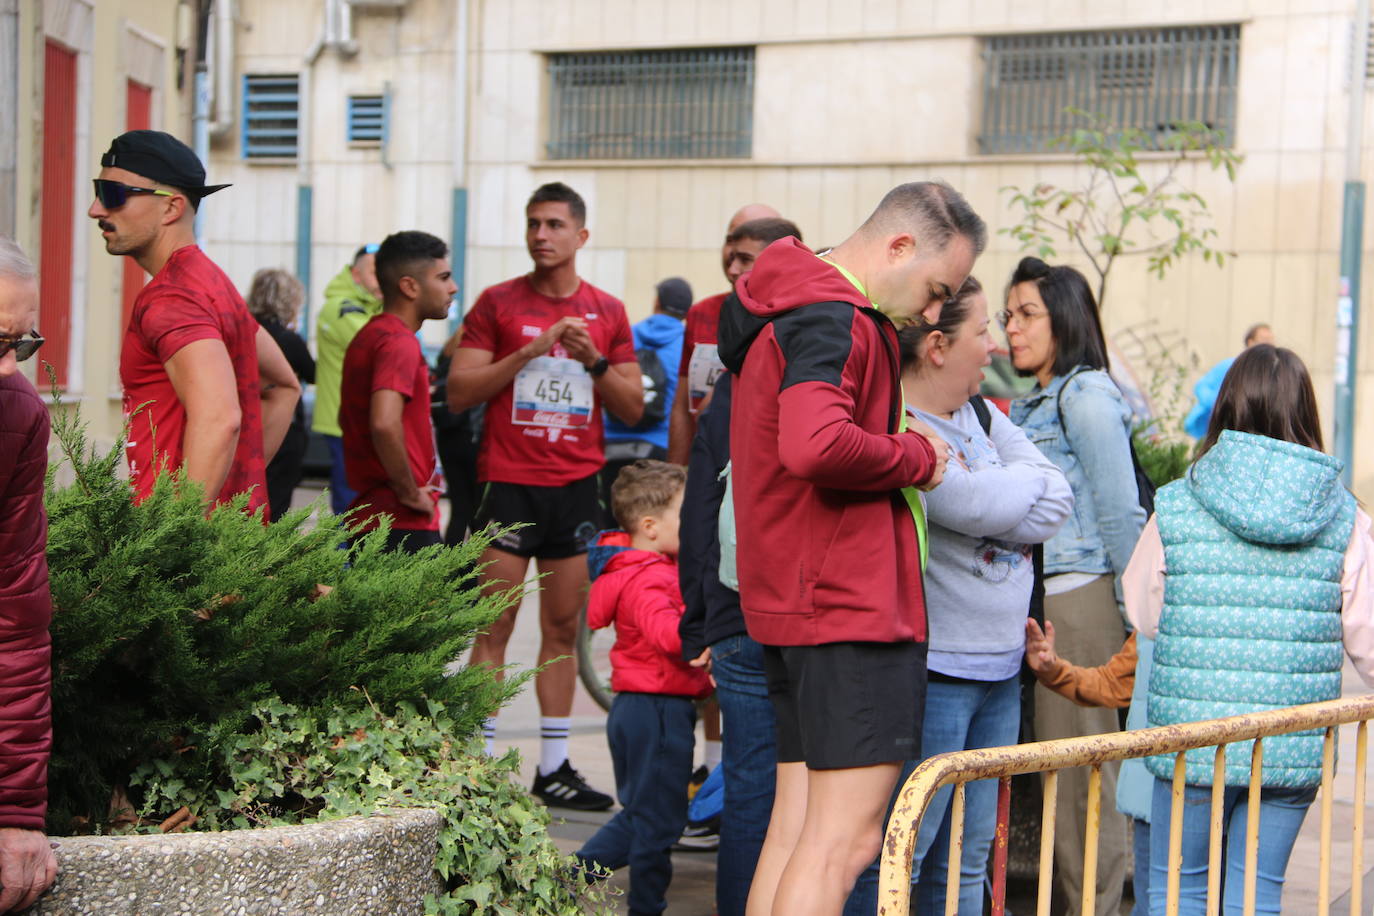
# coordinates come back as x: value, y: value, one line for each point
x: 339, y: 122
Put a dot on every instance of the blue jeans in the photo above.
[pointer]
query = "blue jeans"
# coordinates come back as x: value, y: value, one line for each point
x: 958, y: 716
x: 1140, y: 880
x: 340, y: 496
x: 651, y: 740
x: 1281, y: 816
x: 749, y: 756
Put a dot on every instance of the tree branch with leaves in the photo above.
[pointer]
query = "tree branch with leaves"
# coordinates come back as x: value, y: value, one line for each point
x: 1124, y: 208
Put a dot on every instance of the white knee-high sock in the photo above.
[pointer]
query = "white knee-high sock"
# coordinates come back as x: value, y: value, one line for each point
x: 553, y: 742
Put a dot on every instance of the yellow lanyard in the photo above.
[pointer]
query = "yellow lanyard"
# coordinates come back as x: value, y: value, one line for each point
x: 912, y: 495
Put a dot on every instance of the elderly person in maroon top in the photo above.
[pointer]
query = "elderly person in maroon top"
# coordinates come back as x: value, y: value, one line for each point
x: 27, y: 863
x: 824, y: 466
x: 205, y: 388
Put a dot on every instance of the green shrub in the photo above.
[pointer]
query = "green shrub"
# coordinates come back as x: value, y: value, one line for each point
x: 494, y: 850
x: 1163, y: 459
x: 170, y: 625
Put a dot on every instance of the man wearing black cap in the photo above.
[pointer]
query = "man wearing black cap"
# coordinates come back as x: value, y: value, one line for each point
x: 658, y: 348
x: 204, y: 386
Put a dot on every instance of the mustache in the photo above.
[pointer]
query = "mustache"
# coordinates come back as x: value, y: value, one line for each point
x: 105, y: 226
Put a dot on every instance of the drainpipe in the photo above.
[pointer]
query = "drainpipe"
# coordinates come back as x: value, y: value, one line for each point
x: 1352, y: 247
x: 225, y: 89
x: 200, y: 114
x: 459, y: 232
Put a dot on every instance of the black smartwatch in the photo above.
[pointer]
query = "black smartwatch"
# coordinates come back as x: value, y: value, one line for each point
x: 598, y: 368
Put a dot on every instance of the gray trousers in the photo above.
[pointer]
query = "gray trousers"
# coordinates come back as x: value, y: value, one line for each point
x: 1088, y: 631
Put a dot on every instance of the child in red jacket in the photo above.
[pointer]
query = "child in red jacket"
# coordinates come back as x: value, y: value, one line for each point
x: 653, y: 717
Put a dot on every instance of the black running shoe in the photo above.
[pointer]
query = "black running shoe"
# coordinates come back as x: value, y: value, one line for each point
x: 565, y: 788
x: 699, y: 837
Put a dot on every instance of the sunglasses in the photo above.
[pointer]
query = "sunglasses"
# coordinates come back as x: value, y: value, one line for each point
x: 113, y: 194
x: 24, y: 346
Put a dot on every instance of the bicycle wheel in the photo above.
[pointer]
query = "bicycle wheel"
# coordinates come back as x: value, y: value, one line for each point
x: 594, y: 661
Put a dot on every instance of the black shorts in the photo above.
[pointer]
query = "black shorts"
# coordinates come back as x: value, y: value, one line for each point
x: 847, y: 704
x: 558, y: 521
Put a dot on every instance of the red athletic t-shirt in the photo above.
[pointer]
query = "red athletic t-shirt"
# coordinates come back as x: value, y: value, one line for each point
x: 385, y: 355
x: 551, y: 434
x: 190, y: 299
x: 703, y: 321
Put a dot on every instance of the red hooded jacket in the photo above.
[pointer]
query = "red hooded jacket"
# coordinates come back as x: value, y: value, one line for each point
x: 827, y: 546
x: 25, y: 608
x: 637, y: 591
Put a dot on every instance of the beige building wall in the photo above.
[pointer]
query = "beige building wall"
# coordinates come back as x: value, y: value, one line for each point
x: 851, y: 98
x: 115, y: 40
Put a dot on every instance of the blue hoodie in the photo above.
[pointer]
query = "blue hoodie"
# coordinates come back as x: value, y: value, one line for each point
x: 663, y: 334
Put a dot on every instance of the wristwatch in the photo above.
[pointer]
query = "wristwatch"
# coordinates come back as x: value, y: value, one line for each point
x: 598, y: 368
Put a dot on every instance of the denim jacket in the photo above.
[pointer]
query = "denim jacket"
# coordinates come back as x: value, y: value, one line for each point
x: 1093, y: 451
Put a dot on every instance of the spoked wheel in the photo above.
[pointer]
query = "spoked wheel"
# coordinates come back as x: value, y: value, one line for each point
x: 594, y: 660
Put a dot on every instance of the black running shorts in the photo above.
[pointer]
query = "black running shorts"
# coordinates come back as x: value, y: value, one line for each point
x: 847, y: 704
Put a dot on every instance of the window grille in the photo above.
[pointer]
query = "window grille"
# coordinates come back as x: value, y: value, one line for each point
x: 367, y: 119
x: 271, y: 109
x: 1142, y: 78
x: 677, y: 104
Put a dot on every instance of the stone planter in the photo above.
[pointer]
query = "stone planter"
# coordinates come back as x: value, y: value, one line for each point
x: 356, y: 866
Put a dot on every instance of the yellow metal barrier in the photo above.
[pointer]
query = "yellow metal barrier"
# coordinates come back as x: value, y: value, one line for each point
x: 1048, y: 757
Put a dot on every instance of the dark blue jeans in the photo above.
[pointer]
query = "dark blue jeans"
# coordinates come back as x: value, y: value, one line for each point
x: 340, y: 495
x: 958, y: 716
x: 651, y: 740
x: 749, y: 756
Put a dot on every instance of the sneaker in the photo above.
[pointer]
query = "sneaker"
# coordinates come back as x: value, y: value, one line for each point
x: 698, y: 779
x: 702, y: 837
x: 565, y: 788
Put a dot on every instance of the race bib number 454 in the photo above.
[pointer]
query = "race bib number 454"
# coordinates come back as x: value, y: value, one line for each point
x: 552, y: 392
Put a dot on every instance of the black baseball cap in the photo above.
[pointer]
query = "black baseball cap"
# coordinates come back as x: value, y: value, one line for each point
x: 163, y: 158
x: 674, y: 296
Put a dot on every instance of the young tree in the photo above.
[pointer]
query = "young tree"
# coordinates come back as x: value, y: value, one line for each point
x: 1122, y: 209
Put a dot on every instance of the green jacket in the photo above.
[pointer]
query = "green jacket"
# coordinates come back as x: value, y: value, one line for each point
x: 347, y: 307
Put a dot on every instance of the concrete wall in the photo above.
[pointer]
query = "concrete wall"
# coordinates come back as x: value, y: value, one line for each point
x: 115, y: 40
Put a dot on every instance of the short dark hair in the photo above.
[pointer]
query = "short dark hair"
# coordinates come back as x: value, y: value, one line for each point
x: 767, y: 230
x: 1074, y: 320
x: 363, y: 250
x: 933, y: 212
x: 399, y: 255
x: 952, y: 315
x: 1267, y: 392
x: 558, y: 193
x: 645, y: 488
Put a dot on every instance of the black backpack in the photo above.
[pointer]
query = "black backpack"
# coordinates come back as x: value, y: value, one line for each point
x: 656, y: 404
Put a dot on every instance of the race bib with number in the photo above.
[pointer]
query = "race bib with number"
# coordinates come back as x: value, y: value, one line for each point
x: 702, y: 372
x: 552, y: 392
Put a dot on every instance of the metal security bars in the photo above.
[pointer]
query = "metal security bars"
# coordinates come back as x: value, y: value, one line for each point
x: 1049, y: 757
x: 678, y: 104
x: 271, y: 108
x: 1142, y: 78
x: 367, y: 119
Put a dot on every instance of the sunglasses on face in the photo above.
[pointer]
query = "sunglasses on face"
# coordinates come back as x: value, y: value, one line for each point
x: 114, y: 194
x: 23, y: 346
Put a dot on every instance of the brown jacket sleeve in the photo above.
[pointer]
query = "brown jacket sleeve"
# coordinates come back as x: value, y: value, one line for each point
x: 1106, y: 685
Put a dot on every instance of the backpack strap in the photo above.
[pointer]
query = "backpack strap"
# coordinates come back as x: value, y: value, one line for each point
x: 980, y: 407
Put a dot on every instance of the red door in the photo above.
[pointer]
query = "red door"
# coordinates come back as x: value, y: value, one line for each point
x: 139, y: 116
x: 58, y: 207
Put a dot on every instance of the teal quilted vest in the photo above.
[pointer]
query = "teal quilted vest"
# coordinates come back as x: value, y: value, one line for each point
x: 1254, y: 545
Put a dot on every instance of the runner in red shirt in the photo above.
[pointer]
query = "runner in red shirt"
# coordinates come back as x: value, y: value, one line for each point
x: 546, y: 351
x: 388, y: 436
x: 205, y: 387
x: 702, y: 319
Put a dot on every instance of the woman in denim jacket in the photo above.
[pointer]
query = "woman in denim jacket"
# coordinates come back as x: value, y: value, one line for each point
x: 1076, y: 416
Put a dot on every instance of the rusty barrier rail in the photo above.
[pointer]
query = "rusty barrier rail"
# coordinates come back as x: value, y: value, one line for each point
x: 1048, y: 757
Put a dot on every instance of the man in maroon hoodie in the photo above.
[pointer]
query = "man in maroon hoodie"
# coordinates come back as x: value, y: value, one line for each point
x: 27, y: 864
x: 830, y: 526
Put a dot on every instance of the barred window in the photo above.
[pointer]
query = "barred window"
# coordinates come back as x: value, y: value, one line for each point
x: 367, y: 120
x: 1142, y: 78
x: 677, y: 104
x: 271, y: 109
